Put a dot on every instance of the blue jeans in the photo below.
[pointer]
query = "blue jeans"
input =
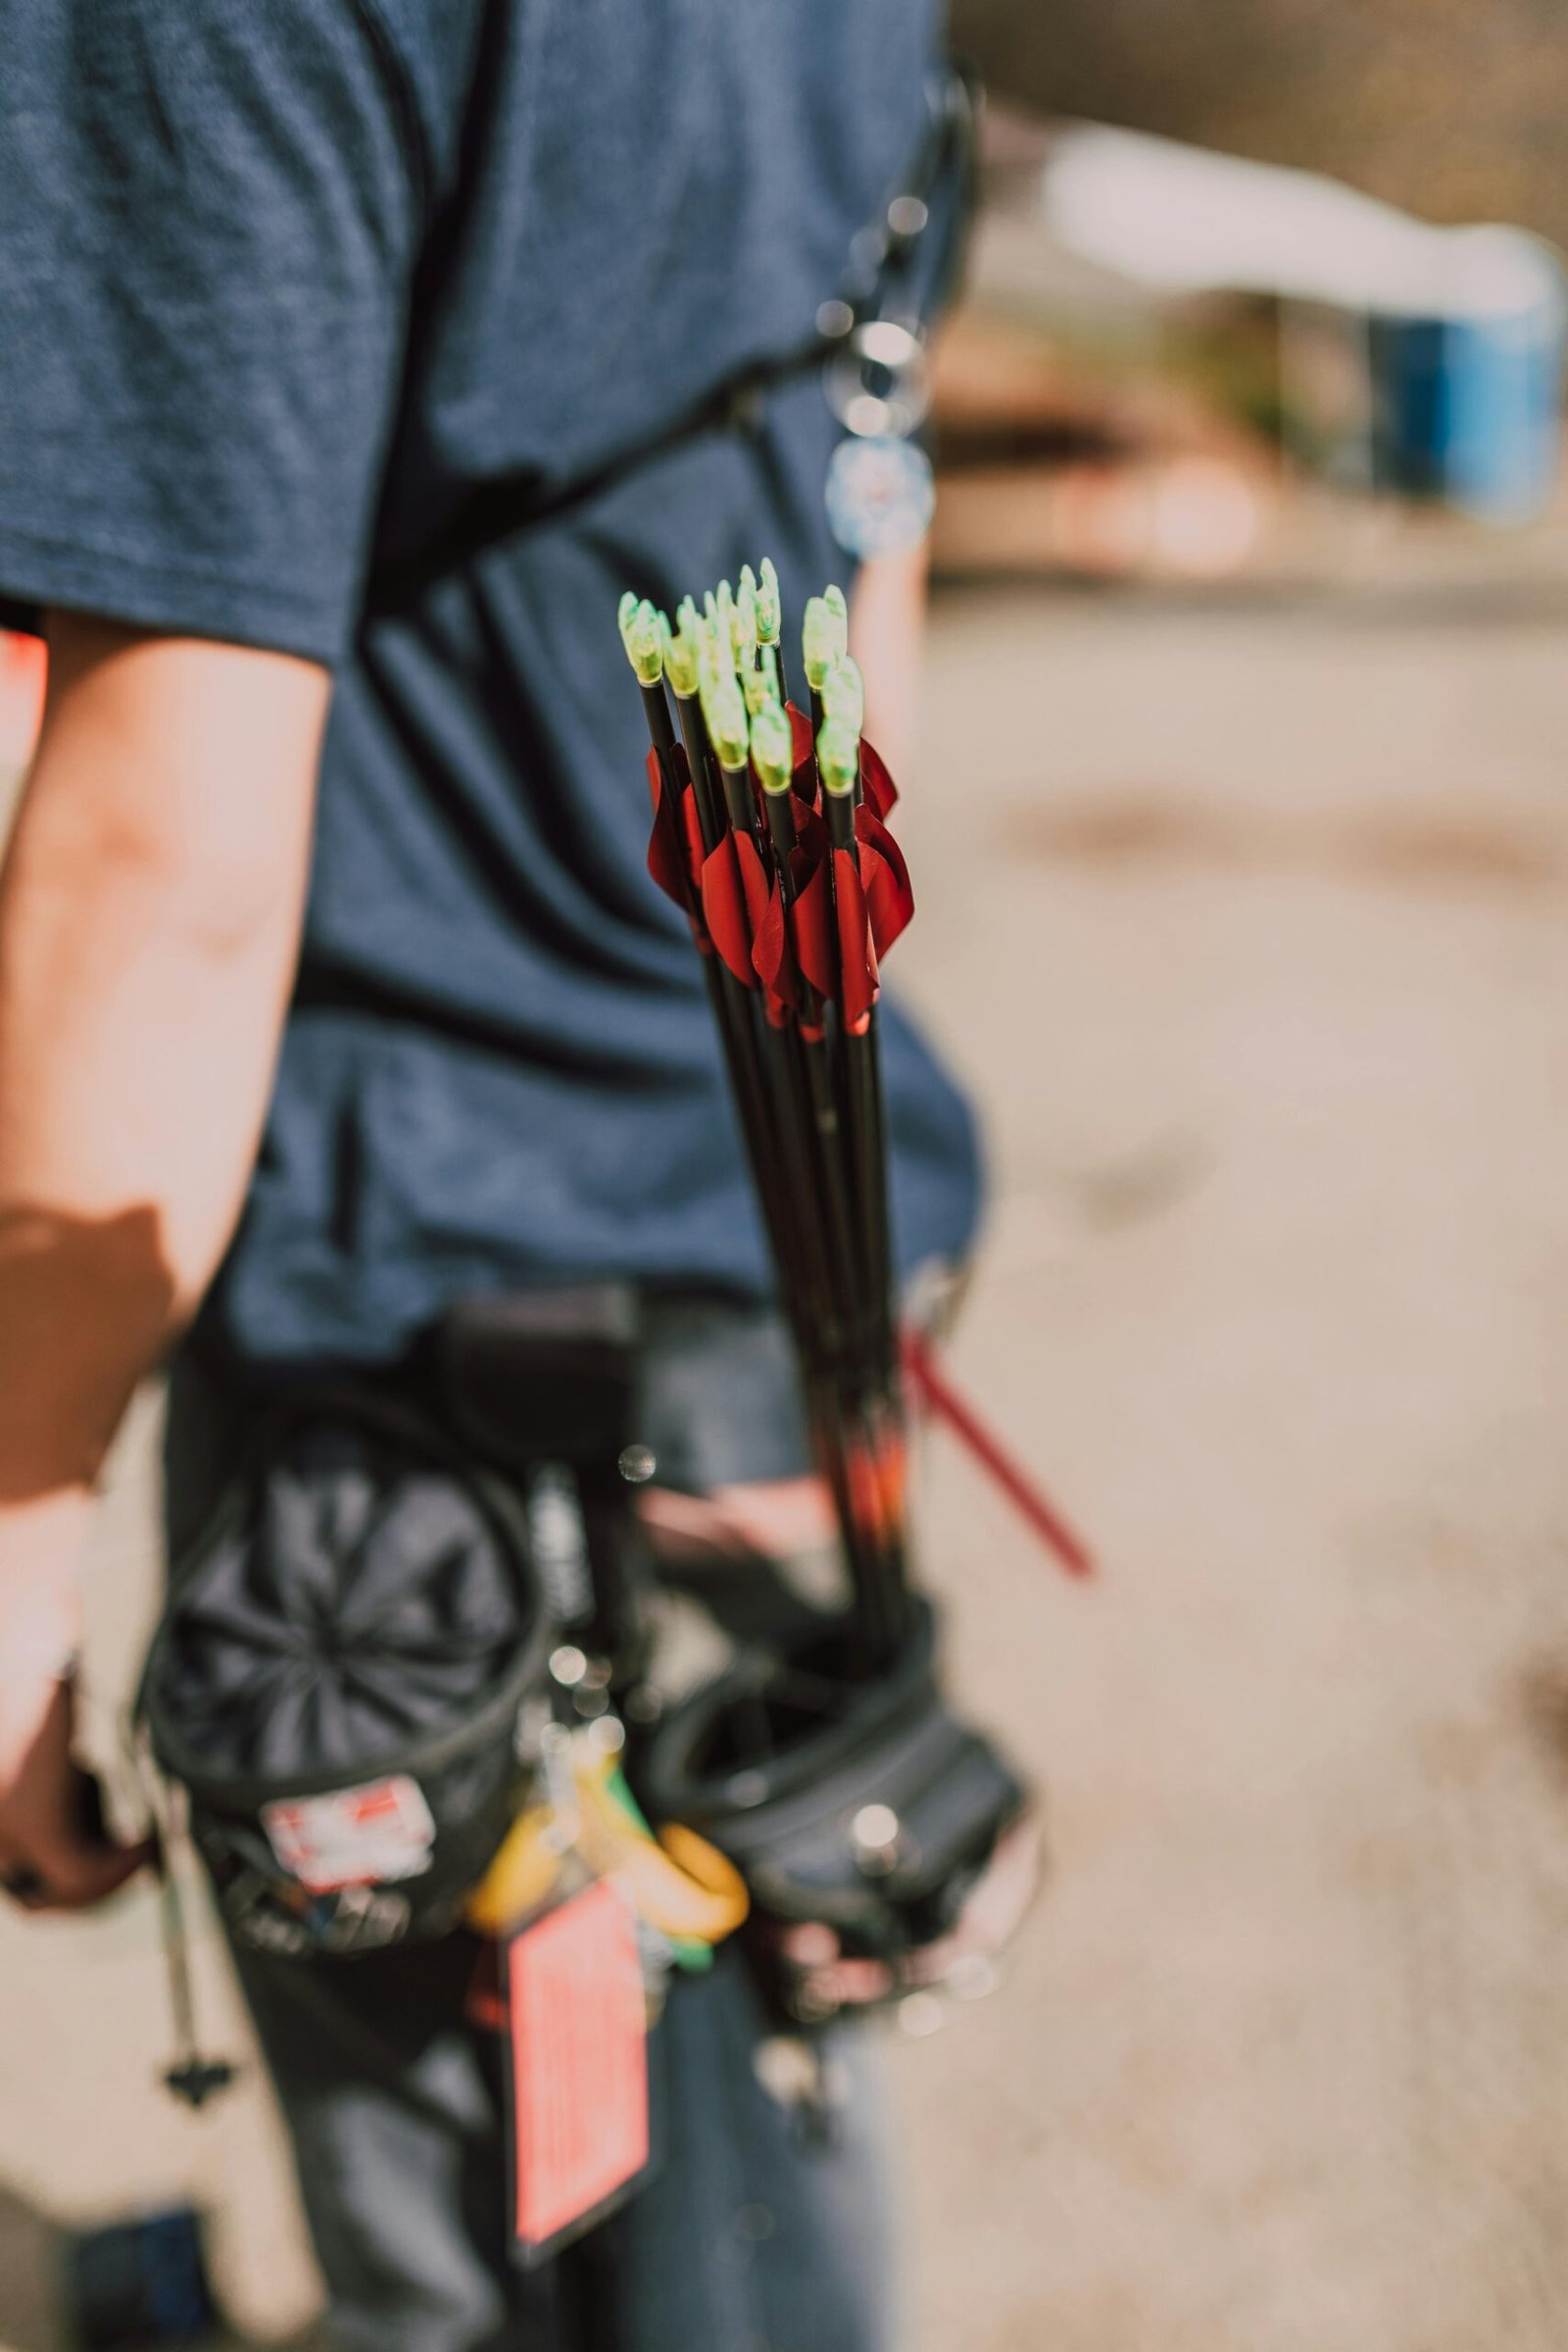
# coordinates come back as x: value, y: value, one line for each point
x: 756, y: 2234
x: 751, y: 2236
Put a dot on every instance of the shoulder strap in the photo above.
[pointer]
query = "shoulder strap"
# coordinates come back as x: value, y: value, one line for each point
x: 502, y: 509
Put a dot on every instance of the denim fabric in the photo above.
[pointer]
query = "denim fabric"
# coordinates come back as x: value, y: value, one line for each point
x: 751, y: 2237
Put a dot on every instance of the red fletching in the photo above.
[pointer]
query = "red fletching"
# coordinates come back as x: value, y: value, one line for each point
x: 811, y: 925
x: 754, y: 881
x: 724, y: 907
x: 694, y: 852
x: 803, y: 783
x: 800, y: 730
x: 885, y: 878
x: 764, y: 917
x: 857, y: 991
x: 675, y: 844
x: 835, y: 934
x: 665, y: 860
x: 811, y: 843
x: 770, y: 945
x: 881, y: 794
x: 840, y: 929
x: 776, y: 965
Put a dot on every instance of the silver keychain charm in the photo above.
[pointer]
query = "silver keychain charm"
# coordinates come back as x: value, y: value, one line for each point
x: 880, y: 490
x: 881, y: 493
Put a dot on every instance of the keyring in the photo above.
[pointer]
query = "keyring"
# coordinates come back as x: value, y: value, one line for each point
x: 878, y: 382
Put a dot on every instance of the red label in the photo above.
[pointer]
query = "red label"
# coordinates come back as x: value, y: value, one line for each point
x: 579, y: 2061
x: 363, y: 1837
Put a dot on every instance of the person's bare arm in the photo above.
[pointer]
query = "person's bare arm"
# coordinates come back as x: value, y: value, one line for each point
x: 887, y: 636
x: 150, y: 904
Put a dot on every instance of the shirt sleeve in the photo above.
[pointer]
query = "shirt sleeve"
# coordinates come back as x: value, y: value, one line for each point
x: 209, y: 220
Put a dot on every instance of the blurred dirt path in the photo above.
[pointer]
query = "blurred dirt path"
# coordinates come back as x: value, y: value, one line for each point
x: 1254, y: 931
x: 1252, y: 927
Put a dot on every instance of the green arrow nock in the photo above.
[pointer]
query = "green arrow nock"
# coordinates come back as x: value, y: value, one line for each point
x: 643, y: 635
x: 770, y: 608
x: 716, y: 629
x: 842, y: 693
x: 742, y: 626
x: 626, y: 612
x: 714, y: 664
x: 683, y: 647
x: 824, y: 640
x: 724, y: 710
x: 833, y: 598
x: 838, y: 756
x: 760, y: 685
x: 772, y: 747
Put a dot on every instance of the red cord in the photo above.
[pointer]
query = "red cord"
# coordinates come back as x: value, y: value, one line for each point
x: 1022, y: 1490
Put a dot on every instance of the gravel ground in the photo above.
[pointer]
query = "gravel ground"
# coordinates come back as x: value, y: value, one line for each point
x: 1247, y: 921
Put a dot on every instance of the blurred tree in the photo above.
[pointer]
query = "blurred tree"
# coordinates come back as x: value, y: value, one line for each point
x: 1453, y: 108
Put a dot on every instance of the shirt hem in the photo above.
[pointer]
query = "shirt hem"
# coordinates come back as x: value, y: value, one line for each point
x: 38, y: 572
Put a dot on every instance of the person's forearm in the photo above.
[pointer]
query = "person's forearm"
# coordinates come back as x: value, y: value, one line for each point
x: 887, y: 636
x: 149, y: 912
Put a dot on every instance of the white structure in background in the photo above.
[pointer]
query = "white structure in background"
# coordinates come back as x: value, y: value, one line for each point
x: 1465, y: 327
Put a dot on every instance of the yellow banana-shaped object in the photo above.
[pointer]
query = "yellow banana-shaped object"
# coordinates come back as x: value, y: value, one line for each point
x: 677, y: 1883
x: 522, y: 1875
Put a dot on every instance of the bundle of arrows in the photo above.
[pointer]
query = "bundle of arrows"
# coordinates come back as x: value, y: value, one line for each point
x: 770, y: 833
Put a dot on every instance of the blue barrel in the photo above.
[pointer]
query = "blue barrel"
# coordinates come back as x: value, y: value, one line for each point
x: 1467, y: 402
x: 137, y: 2284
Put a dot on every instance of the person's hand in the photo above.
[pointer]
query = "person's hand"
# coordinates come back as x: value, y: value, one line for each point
x: 824, y: 1980
x: 53, y: 1855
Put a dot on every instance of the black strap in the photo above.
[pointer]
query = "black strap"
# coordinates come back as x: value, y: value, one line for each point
x: 500, y: 509
x: 882, y: 257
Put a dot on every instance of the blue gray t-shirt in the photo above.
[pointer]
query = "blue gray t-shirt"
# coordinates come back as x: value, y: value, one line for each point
x: 283, y: 286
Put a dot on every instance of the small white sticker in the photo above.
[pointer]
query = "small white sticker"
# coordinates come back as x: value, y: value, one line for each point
x: 364, y: 1837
